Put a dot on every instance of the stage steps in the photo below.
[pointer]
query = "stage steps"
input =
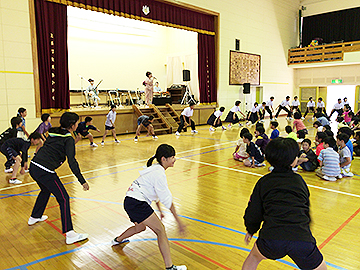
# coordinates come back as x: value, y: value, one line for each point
x: 160, y: 124
x: 170, y: 115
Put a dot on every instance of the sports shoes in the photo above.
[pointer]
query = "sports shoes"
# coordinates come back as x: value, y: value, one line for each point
x: 177, y: 133
x: 272, y: 119
x: 313, y: 118
x: 240, y: 125
x: 290, y: 118
x: 261, y: 165
x: 295, y: 169
x: 26, y: 171
x: 115, y: 243
x: 9, y: 170
x: 347, y: 174
x: 271, y: 168
x: 78, y: 237
x: 32, y: 220
x: 94, y: 145
x: 117, y: 141
x: 102, y: 143
x: 178, y: 267
x: 223, y: 128
x: 194, y: 131
x: 302, y: 118
x: 229, y: 125
x: 330, y: 178
x: 136, y: 139
x: 155, y: 137
x: 211, y: 129
x: 14, y: 181
x: 275, y: 118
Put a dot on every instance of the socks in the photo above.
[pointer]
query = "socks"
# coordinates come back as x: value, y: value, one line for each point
x: 136, y: 137
x: 91, y: 143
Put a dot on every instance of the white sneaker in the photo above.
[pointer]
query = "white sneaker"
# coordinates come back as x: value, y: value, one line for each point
x: 271, y: 168
x: 117, y: 141
x: 349, y: 174
x: 155, y: 137
x: 295, y: 169
x: 261, y: 165
x: 10, y: 170
x: 77, y: 238
x: 223, y: 128
x: 275, y: 118
x: 313, y: 118
x: 26, y: 171
x: 211, y: 129
x: 302, y: 118
x: 136, y: 139
x: 179, y: 267
x: 32, y: 220
x: 14, y: 181
x: 194, y: 131
x: 229, y: 125
x: 102, y: 143
x: 177, y: 133
x: 94, y: 145
x: 329, y: 178
x: 115, y: 243
x: 339, y: 176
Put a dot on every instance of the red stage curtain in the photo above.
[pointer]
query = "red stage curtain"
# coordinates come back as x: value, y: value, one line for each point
x: 207, y: 76
x: 51, y: 32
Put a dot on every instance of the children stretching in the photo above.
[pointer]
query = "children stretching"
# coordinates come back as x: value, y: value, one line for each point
x: 110, y: 124
x: 146, y: 122
x: 231, y: 117
x: 83, y: 131
x: 214, y: 120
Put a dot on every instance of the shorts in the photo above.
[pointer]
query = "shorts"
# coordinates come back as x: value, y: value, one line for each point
x: 108, y: 128
x: 84, y: 134
x: 145, y: 124
x: 9, y: 153
x: 306, y: 255
x: 239, y: 156
x: 137, y: 210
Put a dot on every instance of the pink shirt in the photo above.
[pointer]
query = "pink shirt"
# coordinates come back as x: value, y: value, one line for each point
x: 298, y: 123
x: 346, y: 117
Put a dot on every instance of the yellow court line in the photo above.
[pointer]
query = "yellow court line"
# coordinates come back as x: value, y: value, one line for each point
x: 16, y: 72
x: 258, y: 174
x: 114, y: 166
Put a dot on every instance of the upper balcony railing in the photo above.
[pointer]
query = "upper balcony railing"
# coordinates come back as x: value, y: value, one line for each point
x: 322, y: 53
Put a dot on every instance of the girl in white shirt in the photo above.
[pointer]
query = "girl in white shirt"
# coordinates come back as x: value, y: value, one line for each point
x: 321, y: 106
x: 185, y: 120
x: 295, y: 105
x: 310, y: 107
x: 232, y: 117
x: 110, y: 124
x: 253, y: 114
x: 151, y: 186
x: 269, y: 107
x: 214, y: 120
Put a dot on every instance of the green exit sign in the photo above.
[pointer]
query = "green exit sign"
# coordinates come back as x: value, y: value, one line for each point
x: 336, y: 81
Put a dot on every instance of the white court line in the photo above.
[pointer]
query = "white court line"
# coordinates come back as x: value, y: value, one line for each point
x: 258, y: 174
x: 114, y: 166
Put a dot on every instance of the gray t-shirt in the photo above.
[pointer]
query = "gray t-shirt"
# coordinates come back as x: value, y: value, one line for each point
x: 143, y: 119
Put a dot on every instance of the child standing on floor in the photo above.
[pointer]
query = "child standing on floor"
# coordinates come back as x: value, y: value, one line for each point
x: 44, y: 127
x: 110, y: 124
x: 83, y: 131
x: 58, y: 147
x: 261, y: 110
x: 253, y: 114
x: 338, y: 107
x: 307, y: 157
x: 310, y: 107
x: 345, y: 155
x: 146, y: 122
x: 22, y: 133
x: 295, y: 105
x: 232, y: 118
x: 12, y: 149
x: 214, y: 120
x: 256, y: 157
x: 321, y: 106
x: 282, y: 106
x: 151, y: 186
x: 240, y: 149
x: 269, y: 107
x: 298, y: 123
x: 11, y: 132
x: 329, y: 161
x: 275, y: 133
x: 280, y: 204
x: 185, y: 119
x: 291, y: 133
x: 347, y: 110
x: 261, y: 138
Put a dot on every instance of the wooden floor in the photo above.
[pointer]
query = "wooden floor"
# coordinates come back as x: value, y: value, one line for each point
x: 210, y: 192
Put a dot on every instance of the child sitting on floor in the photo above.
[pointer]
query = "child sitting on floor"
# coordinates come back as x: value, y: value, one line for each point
x: 318, y: 126
x: 345, y: 155
x: 256, y: 157
x: 320, y: 136
x: 291, y: 133
x: 261, y: 138
x: 240, y: 150
x: 356, y: 144
x: 275, y: 133
x: 329, y: 161
x: 307, y: 158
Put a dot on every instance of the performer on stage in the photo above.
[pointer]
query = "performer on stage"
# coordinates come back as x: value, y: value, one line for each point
x: 149, y: 87
x: 91, y: 92
x: 157, y: 88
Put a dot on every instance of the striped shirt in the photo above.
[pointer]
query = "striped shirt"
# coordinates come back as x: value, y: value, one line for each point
x: 330, y: 160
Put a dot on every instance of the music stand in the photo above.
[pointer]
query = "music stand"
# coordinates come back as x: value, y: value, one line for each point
x: 187, y: 98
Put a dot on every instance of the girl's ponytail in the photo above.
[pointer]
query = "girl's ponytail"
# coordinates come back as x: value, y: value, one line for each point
x: 150, y: 161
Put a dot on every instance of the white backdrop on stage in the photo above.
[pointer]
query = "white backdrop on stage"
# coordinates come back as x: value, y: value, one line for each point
x: 120, y: 51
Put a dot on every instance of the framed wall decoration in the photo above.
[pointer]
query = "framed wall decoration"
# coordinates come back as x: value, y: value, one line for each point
x: 244, y: 68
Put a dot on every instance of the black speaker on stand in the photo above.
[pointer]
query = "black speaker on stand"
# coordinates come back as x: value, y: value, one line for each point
x: 246, y: 89
x: 186, y: 75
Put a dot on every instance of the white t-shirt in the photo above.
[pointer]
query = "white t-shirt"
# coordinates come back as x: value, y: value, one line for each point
x: 258, y: 108
x: 150, y: 186
x: 321, y: 104
x: 110, y: 116
x: 311, y: 103
x: 269, y: 103
x: 254, y: 109
x: 338, y: 106
x: 285, y: 103
x: 235, y: 109
x: 188, y: 112
x: 218, y: 114
x: 346, y: 102
x: 295, y: 103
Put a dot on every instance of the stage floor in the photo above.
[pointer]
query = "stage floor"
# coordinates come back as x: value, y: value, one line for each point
x: 210, y: 192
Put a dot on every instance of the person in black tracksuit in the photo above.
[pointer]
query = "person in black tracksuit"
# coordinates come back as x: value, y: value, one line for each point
x: 58, y: 146
x: 280, y: 202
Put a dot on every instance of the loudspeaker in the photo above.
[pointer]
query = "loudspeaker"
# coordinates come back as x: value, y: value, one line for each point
x: 246, y: 89
x: 237, y: 44
x: 186, y: 75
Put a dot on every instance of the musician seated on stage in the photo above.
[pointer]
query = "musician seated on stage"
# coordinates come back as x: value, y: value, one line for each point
x: 92, y: 93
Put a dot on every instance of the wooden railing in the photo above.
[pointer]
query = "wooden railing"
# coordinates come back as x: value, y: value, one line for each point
x: 322, y: 53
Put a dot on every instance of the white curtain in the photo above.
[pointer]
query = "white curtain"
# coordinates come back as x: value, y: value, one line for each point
x: 175, y: 66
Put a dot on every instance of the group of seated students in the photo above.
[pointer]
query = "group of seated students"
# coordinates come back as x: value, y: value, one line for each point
x: 331, y: 159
